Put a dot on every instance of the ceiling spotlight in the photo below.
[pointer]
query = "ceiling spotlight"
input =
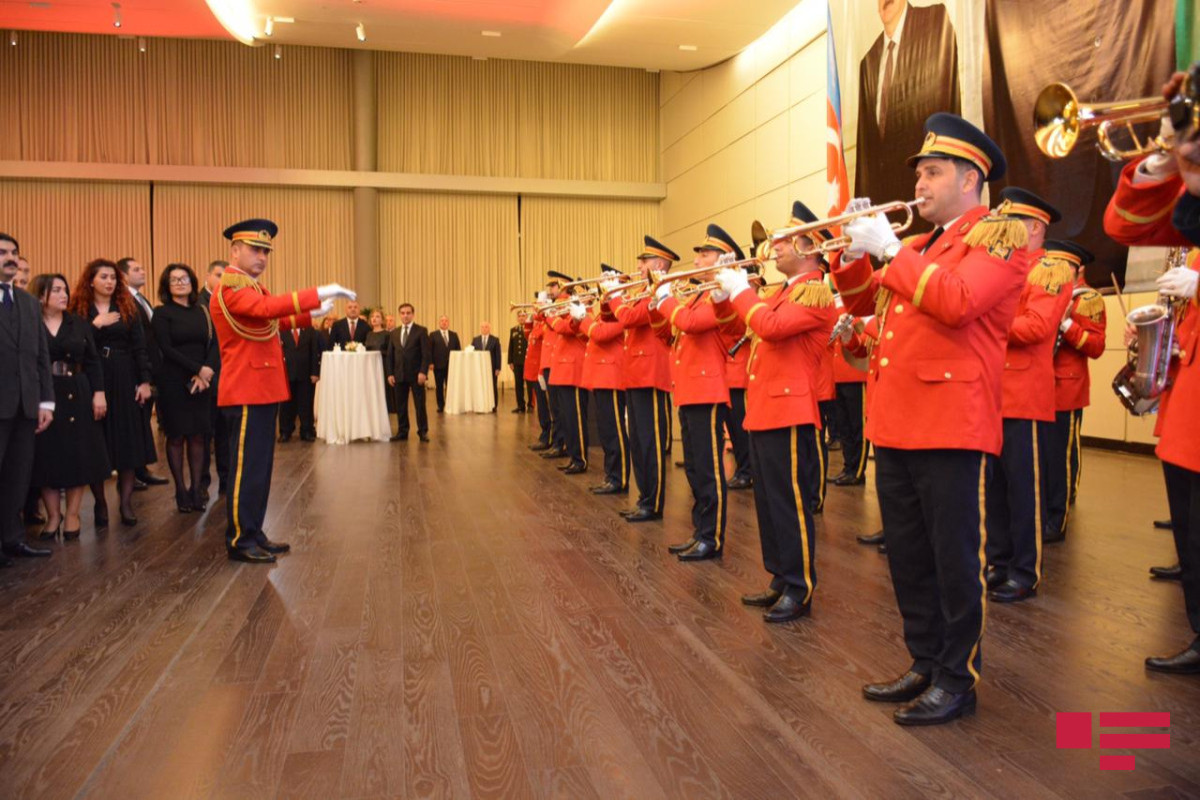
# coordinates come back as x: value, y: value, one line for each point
x: 361, y: 32
x: 141, y: 44
x: 278, y: 52
x: 495, y: 34
x: 691, y: 48
x: 12, y: 38
x: 269, y: 28
x: 116, y: 15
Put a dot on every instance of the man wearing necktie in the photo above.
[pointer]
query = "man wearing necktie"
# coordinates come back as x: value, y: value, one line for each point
x: 302, y: 357
x: 351, y: 329
x: 487, y: 343
x: 444, y: 341
x: 135, y: 279
x: 407, y: 366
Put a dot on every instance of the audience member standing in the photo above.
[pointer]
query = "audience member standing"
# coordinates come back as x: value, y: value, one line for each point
x: 444, y: 342
x: 351, y: 329
x: 70, y: 454
x: 409, y: 356
x: 101, y: 296
x: 26, y: 399
x: 379, y: 340
x: 489, y: 344
x: 324, y: 332
x: 517, y: 346
x: 218, y: 440
x: 302, y: 357
x: 135, y: 279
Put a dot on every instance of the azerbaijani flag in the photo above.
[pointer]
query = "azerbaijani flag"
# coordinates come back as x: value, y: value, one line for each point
x: 835, y: 159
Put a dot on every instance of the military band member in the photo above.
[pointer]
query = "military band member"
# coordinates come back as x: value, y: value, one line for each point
x: 1081, y: 337
x: 945, y: 301
x: 791, y: 327
x: 247, y: 320
x: 550, y: 340
x: 646, y: 374
x: 1140, y: 213
x: 602, y: 376
x: 733, y: 329
x: 850, y: 387
x: 1015, y: 493
x: 533, y: 373
x: 700, y: 394
x: 566, y: 385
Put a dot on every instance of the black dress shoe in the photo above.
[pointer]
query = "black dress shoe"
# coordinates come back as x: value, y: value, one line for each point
x: 1184, y: 663
x: 538, y: 446
x: 140, y: 485
x: 625, y: 512
x: 153, y: 480
x: 874, y: 538
x: 763, y: 599
x: 642, y: 515
x: 1162, y: 524
x: 787, y: 609
x: 740, y: 483
x: 554, y: 452
x: 273, y: 547
x: 849, y: 479
x: 1053, y: 535
x: 423, y: 437
x: 681, y: 547
x: 251, y: 555
x: 995, y: 578
x: 22, y: 550
x: 399, y: 438
x: 1011, y: 592
x: 34, y: 518
x: 284, y: 439
x: 907, y: 687
x: 307, y: 437
x: 936, y: 706
x: 183, y: 502
x: 575, y: 469
x: 1174, y: 573
x: 607, y: 488
x: 700, y: 551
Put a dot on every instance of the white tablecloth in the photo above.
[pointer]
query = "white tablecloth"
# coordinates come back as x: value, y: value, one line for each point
x: 469, y: 383
x: 350, y: 400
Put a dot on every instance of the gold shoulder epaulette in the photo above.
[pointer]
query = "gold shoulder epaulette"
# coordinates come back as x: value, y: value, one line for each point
x: 814, y: 294
x: 999, y: 234
x: 1051, y: 274
x: 1091, y: 305
x: 236, y: 280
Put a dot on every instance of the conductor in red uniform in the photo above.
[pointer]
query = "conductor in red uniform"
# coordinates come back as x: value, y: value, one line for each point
x: 254, y: 380
x: 945, y: 301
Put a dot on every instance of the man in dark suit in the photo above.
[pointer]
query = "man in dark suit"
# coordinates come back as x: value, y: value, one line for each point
x: 26, y: 399
x: 135, y: 279
x: 351, y: 329
x: 486, y: 342
x: 409, y: 357
x: 444, y: 342
x: 910, y: 72
x: 517, y: 345
x: 218, y: 443
x: 302, y: 356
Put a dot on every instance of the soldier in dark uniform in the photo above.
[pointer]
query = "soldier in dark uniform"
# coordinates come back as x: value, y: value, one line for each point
x: 517, y: 345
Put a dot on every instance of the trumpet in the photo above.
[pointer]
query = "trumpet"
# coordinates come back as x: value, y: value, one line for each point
x: 841, y: 242
x: 756, y: 280
x: 617, y: 276
x: 1059, y: 118
x: 560, y: 307
x: 520, y: 306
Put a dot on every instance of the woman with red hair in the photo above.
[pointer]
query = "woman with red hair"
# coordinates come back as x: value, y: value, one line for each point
x: 102, y: 298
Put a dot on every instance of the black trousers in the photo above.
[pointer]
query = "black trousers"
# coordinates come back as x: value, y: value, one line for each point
x: 16, y: 468
x: 649, y: 429
x: 1014, y: 504
x: 1183, y: 497
x: 573, y: 410
x: 542, y: 401
x: 610, y: 424
x: 402, y: 391
x: 703, y: 429
x: 782, y: 461
x: 217, y: 446
x: 252, y: 451
x: 557, y: 440
x: 737, y: 434
x: 933, y: 524
x: 852, y: 405
x: 439, y: 378
x: 830, y: 419
x: 820, y: 478
x: 519, y: 385
x: 299, y: 404
x: 1060, y: 466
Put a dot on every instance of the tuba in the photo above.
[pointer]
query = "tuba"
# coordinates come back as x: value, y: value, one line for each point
x: 1140, y: 383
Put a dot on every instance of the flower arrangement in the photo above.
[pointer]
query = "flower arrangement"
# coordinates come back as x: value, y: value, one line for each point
x: 355, y: 347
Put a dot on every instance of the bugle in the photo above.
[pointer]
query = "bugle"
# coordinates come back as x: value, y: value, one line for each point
x: 841, y: 242
x: 612, y: 276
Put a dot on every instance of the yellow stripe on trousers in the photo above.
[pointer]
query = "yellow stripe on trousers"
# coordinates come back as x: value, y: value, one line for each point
x: 659, y: 460
x: 237, y: 478
x: 579, y: 424
x: 798, y: 499
x: 982, y: 567
x: 821, y: 463
x: 1037, y: 505
x: 720, y: 532
x: 862, y: 451
x: 620, y: 440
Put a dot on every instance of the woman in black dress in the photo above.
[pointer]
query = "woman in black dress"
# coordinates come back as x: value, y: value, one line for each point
x: 102, y: 297
x: 184, y: 333
x: 380, y: 340
x: 70, y: 454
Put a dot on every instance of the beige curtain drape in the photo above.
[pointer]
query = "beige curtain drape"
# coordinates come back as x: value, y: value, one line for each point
x: 451, y: 254
x: 316, y: 230
x: 496, y: 118
x: 182, y: 102
x: 575, y: 235
x: 62, y: 226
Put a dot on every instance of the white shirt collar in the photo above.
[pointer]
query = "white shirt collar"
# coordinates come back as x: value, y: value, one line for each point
x: 895, y: 37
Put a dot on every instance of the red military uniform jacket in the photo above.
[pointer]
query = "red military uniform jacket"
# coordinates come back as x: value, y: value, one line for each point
x: 252, y: 368
x: 534, y: 333
x: 842, y: 371
x: 604, y: 356
x: 550, y: 339
x: 1028, y: 384
x: 647, y: 354
x: 944, y: 318
x: 698, y: 367
x: 1141, y: 215
x: 791, y: 328
x: 567, y: 367
x: 1083, y: 340
x: 732, y: 329
x: 863, y: 345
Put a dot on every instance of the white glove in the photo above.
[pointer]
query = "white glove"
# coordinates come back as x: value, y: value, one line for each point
x: 662, y: 292
x: 542, y: 381
x: 1178, y: 282
x: 1066, y: 325
x: 733, y: 281
x: 609, y: 285
x: 326, y: 307
x: 870, y: 235
x: 578, y: 310
x: 543, y: 297
x: 335, y: 290
x: 719, y: 295
x: 726, y: 258
x: 846, y: 334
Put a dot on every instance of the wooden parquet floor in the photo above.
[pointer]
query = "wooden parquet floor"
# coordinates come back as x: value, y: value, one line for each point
x: 459, y: 619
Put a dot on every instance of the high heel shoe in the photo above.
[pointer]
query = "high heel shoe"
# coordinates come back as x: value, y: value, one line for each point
x: 70, y: 535
x: 199, y: 500
x: 128, y: 520
x: 184, y: 503
x: 48, y: 535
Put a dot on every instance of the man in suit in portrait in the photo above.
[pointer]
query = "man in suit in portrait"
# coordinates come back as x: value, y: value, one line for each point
x: 351, y: 329
x: 444, y: 341
x: 409, y: 357
x: 486, y: 342
x: 518, y: 344
x: 910, y: 72
x: 26, y: 400
x: 302, y: 357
